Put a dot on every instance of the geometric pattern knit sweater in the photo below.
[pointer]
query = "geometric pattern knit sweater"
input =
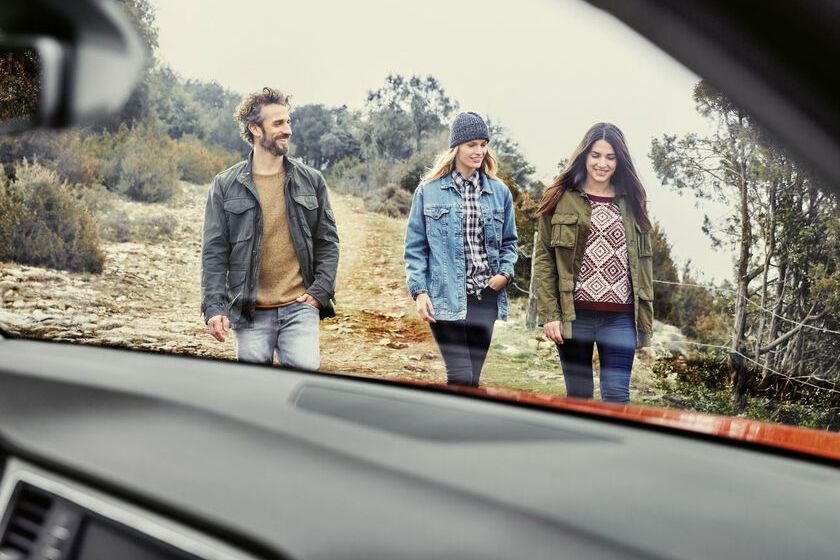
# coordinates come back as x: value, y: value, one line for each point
x: 603, y: 283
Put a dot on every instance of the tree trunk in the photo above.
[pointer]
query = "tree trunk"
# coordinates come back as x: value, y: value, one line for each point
x: 770, y: 249
x: 740, y: 369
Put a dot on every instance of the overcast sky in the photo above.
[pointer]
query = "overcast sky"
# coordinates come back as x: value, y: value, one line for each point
x: 544, y: 69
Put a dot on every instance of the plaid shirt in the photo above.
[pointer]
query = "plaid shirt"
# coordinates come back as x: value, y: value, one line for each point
x: 475, y: 253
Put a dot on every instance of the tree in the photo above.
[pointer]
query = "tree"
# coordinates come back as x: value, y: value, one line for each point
x: 310, y: 124
x: 422, y: 100
x: 780, y: 224
x: 324, y: 136
x: 389, y: 134
x: 665, y: 271
x: 510, y: 156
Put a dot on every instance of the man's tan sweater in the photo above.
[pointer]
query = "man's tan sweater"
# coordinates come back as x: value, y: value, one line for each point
x: 280, y: 279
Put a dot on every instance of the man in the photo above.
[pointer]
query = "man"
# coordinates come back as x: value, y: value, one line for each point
x: 270, y: 247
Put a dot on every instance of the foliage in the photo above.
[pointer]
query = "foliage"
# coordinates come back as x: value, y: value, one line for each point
x: 20, y: 86
x: 702, y: 384
x: 411, y: 179
x: 140, y: 164
x: 118, y: 224
x: 421, y: 105
x: 524, y: 210
x: 324, y: 136
x: 783, y: 226
x: 199, y: 163
x: 44, y: 224
x: 663, y: 270
x: 389, y: 200
x: 510, y: 156
x: 388, y: 134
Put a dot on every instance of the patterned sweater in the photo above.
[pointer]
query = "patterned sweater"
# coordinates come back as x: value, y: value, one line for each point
x: 603, y: 283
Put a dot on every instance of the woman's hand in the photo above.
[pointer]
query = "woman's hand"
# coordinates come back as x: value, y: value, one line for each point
x: 554, y: 331
x: 498, y: 283
x: 425, y: 308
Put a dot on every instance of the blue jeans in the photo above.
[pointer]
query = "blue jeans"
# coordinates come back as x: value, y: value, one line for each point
x: 292, y: 331
x: 615, y: 335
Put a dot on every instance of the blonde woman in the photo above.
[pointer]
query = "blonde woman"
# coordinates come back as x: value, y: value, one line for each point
x: 460, y: 248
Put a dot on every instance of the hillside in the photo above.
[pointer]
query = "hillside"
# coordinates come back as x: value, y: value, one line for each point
x: 148, y: 298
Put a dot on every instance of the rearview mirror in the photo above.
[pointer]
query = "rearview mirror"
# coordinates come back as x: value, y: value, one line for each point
x: 77, y: 62
x: 31, y: 72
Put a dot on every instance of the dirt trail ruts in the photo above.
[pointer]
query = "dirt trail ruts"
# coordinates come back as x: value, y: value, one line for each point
x: 148, y: 297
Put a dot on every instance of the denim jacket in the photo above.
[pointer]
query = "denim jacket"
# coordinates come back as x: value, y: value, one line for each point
x: 434, y: 243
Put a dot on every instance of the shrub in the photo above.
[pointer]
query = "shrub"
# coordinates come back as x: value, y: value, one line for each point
x: 77, y: 158
x: 391, y: 201
x: 411, y: 178
x: 45, y: 224
x: 153, y: 227
x: 118, y: 225
x: 141, y: 164
x: 197, y: 162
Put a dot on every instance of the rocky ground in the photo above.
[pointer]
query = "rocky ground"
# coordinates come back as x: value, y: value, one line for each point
x: 148, y: 298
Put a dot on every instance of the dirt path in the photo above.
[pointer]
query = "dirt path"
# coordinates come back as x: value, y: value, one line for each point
x: 376, y: 331
x: 149, y: 293
x: 148, y: 297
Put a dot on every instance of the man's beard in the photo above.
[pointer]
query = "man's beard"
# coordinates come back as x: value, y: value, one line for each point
x: 270, y: 145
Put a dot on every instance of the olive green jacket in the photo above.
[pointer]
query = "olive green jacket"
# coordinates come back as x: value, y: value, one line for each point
x: 559, y: 253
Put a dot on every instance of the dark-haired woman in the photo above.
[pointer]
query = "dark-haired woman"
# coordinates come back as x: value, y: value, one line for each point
x: 593, y: 266
x: 460, y: 248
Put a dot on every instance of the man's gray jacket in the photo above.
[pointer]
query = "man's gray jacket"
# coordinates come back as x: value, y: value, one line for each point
x: 233, y: 240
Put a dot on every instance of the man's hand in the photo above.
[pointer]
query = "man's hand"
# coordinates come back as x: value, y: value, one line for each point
x: 306, y: 298
x: 219, y: 325
x: 498, y: 283
x: 554, y: 331
x: 425, y: 308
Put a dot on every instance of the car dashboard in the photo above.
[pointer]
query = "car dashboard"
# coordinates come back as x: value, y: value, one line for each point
x: 163, y: 456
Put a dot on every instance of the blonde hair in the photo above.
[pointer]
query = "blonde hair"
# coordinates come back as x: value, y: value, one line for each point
x: 443, y: 165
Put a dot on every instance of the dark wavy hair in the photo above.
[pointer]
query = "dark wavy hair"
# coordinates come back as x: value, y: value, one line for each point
x: 625, y: 180
x: 249, y: 110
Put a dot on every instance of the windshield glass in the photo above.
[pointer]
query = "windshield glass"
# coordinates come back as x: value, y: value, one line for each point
x: 533, y: 199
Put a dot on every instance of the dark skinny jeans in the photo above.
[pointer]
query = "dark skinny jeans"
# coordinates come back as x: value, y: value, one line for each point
x: 464, y: 344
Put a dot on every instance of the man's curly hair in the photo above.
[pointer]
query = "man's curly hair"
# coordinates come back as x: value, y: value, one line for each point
x: 250, y: 109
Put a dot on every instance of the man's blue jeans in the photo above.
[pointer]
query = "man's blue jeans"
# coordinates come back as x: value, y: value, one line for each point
x: 292, y: 331
x: 615, y: 335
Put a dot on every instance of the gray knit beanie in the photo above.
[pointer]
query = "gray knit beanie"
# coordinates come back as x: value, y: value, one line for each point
x: 466, y: 127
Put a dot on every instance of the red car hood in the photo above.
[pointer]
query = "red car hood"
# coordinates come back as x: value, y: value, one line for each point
x: 802, y: 440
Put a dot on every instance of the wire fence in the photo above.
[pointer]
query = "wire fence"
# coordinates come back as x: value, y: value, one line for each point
x: 751, y: 302
x: 793, y: 378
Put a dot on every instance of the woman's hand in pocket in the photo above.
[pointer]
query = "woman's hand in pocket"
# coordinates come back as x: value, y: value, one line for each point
x: 498, y: 283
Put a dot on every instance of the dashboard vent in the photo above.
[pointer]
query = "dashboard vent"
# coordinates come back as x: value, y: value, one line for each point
x: 27, y: 514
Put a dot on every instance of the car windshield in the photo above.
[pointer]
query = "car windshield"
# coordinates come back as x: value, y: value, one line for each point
x: 532, y: 199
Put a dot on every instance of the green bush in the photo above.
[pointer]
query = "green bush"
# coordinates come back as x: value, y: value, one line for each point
x: 77, y: 158
x: 141, y: 163
x: 197, y: 162
x: 118, y: 225
x: 45, y: 224
x: 411, y: 178
x: 391, y: 201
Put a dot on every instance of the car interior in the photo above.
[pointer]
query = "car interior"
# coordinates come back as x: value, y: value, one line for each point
x: 109, y: 453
